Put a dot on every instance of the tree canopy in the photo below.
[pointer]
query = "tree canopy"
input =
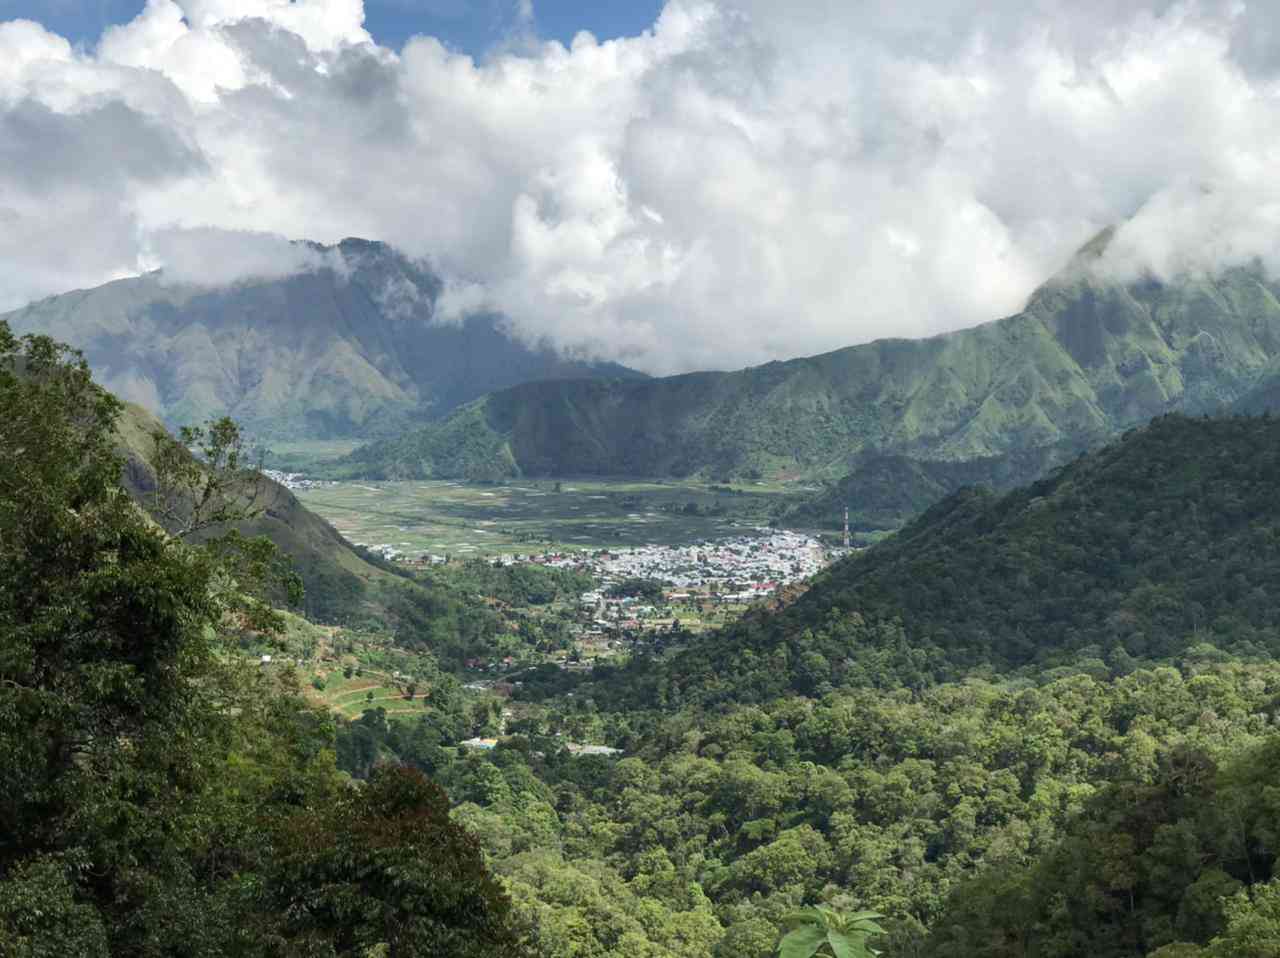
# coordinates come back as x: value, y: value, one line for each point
x: 157, y: 795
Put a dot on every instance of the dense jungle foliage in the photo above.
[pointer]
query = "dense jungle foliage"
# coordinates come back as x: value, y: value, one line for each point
x: 157, y: 795
x: 1082, y: 816
x: 1036, y: 725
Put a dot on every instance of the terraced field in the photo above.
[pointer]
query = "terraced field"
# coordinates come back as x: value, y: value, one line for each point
x: 351, y: 696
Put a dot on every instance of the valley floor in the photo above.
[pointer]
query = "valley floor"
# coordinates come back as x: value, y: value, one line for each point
x: 417, y: 518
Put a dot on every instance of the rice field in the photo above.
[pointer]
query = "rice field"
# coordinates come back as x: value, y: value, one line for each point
x: 460, y: 520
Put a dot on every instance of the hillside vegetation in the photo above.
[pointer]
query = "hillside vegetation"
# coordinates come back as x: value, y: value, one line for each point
x: 1164, y: 541
x: 885, y: 491
x: 433, y: 612
x: 342, y: 582
x: 1032, y: 725
x: 158, y: 795
x: 1086, y: 359
x: 1038, y: 725
x: 350, y: 348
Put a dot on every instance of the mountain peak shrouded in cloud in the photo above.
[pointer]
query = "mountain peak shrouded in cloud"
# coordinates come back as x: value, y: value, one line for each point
x: 212, y: 258
x: 294, y: 339
x: 740, y: 182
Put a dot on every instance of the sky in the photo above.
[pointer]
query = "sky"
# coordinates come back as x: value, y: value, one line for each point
x: 474, y: 27
x: 692, y: 184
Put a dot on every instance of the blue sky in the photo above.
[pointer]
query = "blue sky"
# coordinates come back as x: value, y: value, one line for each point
x: 469, y: 25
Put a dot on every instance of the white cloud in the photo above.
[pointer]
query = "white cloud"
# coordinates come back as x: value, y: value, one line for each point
x: 214, y: 258
x: 746, y: 181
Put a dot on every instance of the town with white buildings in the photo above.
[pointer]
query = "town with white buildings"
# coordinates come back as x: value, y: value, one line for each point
x: 743, y: 567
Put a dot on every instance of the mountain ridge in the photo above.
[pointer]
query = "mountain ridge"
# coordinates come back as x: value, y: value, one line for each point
x: 352, y: 345
x: 1086, y: 359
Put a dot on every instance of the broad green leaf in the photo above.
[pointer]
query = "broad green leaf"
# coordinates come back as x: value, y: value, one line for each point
x: 801, y: 943
x: 846, y: 946
x: 806, y: 916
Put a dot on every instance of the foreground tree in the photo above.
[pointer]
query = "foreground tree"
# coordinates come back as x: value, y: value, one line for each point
x: 204, y: 485
x: 156, y: 796
x: 383, y: 866
x: 823, y: 931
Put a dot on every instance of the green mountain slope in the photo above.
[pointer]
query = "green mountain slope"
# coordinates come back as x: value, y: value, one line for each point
x: 886, y: 491
x: 1086, y: 359
x: 162, y: 795
x: 434, y: 610
x: 336, y: 575
x: 1263, y: 396
x: 318, y: 354
x: 1165, y: 540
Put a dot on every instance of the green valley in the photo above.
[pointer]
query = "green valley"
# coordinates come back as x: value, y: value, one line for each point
x: 1025, y: 724
x: 778, y: 480
x: 463, y: 519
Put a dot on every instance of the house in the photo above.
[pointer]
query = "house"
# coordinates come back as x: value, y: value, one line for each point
x: 576, y: 749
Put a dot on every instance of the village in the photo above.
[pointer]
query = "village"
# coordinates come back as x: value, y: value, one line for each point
x: 649, y: 585
x: 738, y: 568
x: 655, y: 597
x: 295, y: 481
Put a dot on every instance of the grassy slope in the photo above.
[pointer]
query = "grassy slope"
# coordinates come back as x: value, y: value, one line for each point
x: 1085, y: 360
x: 335, y: 574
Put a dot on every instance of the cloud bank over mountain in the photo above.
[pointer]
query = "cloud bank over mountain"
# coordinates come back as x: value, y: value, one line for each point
x: 745, y: 181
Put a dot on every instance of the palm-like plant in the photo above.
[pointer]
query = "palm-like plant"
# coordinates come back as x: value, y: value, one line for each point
x: 827, y: 931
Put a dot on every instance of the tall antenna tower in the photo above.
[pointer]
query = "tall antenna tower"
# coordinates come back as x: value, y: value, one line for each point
x: 846, y: 527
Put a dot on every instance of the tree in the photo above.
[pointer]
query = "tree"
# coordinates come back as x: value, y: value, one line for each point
x: 102, y: 616
x: 385, y: 866
x: 202, y: 497
x: 157, y: 794
x: 214, y: 486
x: 827, y: 931
x: 112, y: 701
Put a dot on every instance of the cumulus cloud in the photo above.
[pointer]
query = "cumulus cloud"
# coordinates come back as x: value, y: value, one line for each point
x: 744, y: 181
x: 215, y: 258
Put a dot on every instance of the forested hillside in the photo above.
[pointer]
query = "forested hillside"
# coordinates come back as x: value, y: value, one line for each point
x: 1086, y: 359
x: 1039, y: 724
x: 435, y: 610
x: 1167, y: 539
x: 351, y: 347
x: 159, y: 794
x: 339, y: 578
x: 884, y: 492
